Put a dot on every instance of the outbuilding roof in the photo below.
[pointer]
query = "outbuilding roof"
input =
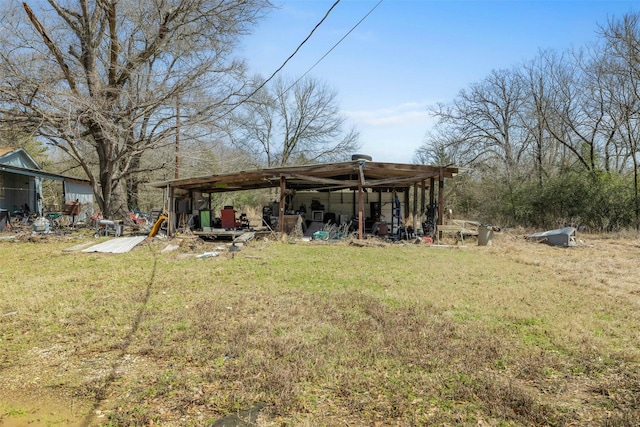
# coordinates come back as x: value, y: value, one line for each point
x: 18, y: 161
x: 326, y: 176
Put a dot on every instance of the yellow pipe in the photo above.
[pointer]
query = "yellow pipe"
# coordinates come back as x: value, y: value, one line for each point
x: 154, y: 230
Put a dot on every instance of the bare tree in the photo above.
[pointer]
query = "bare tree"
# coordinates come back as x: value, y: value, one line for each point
x: 100, y: 79
x: 578, y: 113
x: 491, y: 127
x: 439, y: 148
x: 485, y: 127
x: 294, y: 123
x: 622, y: 53
x: 569, y: 120
x: 536, y: 115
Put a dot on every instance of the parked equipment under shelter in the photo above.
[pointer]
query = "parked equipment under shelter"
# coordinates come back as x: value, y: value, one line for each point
x: 353, y: 181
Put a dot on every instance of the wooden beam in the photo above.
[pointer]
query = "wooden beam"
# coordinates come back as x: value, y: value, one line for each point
x: 397, y: 180
x: 320, y: 180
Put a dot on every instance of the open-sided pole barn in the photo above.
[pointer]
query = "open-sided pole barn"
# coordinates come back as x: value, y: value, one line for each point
x: 358, y: 175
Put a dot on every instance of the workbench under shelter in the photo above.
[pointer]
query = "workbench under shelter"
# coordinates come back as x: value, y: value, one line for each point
x: 358, y: 176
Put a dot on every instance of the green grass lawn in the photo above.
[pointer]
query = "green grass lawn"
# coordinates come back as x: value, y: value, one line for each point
x: 320, y: 334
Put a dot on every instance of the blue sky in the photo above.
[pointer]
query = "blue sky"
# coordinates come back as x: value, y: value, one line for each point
x: 410, y: 54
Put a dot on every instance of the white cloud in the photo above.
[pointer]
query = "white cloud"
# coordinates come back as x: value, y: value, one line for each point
x: 407, y: 114
x: 392, y: 134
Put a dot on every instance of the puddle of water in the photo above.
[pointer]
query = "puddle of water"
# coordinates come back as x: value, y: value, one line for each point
x: 43, y: 413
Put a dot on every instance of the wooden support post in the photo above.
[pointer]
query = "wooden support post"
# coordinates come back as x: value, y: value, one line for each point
x: 432, y: 186
x: 354, y: 205
x: 423, y: 202
x: 361, y: 202
x: 441, y: 200
x: 415, y: 206
x: 360, y: 212
x: 171, y: 210
x: 406, y: 207
x: 283, y: 189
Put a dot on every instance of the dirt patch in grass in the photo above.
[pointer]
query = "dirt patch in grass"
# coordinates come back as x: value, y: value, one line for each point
x: 304, y: 333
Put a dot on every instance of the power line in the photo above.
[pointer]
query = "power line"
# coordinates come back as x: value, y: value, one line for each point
x: 295, y: 52
x: 285, y: 62
x: 335, y: 45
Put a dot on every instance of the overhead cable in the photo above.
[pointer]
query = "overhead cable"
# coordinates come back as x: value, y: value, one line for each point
x: 285, y: 62
x: 334, y: 46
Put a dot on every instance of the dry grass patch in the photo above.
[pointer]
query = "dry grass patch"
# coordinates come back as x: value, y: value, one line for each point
x: 326, y: 334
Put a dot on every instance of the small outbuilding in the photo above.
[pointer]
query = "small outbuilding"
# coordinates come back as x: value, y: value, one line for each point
x: 21, y: 179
